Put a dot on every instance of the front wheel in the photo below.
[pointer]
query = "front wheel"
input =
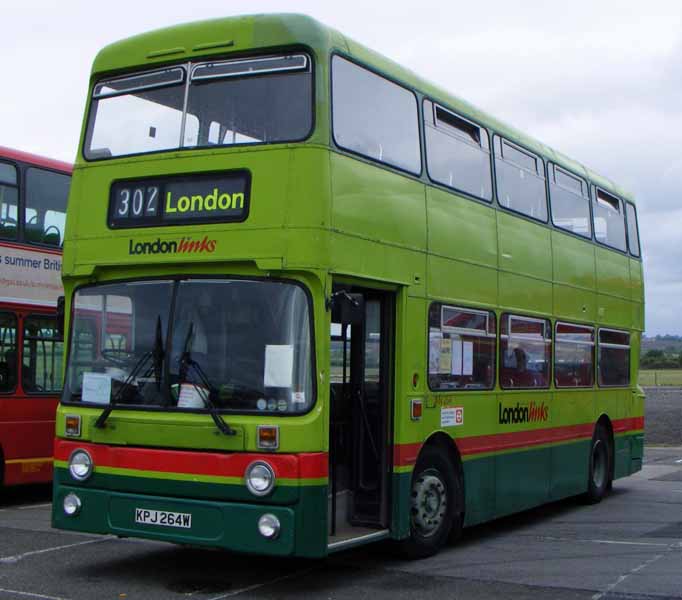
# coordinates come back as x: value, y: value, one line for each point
x: 599, y: 478
x: 435, y: 498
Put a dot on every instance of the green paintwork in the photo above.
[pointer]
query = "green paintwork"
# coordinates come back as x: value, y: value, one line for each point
x: 318, y: 215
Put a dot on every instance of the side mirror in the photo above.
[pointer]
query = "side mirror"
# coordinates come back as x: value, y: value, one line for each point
x: 347, y: 308
x: 61, y: 302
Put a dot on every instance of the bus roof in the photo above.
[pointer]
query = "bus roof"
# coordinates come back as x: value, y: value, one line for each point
x: 35, y: 159
x: 206, y: 38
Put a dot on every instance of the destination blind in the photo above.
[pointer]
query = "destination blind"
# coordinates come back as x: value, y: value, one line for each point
x: 177, y: 200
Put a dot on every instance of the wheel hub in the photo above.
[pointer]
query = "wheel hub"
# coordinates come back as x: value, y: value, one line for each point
x: 429, y: 503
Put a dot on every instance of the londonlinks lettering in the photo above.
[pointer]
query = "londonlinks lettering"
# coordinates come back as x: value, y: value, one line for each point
x: 185, y: 245
x: 522, y: 413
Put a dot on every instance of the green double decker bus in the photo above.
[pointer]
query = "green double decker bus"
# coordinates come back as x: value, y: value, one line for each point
x: 313, y: 301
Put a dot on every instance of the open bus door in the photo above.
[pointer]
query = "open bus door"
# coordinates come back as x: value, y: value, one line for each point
x: 360, y: 444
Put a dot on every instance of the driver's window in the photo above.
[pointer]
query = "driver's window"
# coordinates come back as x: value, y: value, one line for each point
x: 9, y: 197
x: 42, y: 356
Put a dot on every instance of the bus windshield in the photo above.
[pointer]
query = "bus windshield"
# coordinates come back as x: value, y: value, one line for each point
x: 243, y: 101
x: 236, y: 345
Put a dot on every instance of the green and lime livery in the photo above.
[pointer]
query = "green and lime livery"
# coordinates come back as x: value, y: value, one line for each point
x: 323, y: 217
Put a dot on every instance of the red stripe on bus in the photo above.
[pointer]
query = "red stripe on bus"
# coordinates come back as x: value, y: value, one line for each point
x: 406, y: 454
x: 292, y: 466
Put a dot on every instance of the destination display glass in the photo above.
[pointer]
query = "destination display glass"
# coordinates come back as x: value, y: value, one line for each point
x: 177, y: 200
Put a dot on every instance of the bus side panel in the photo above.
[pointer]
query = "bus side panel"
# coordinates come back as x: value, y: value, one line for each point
x: 570, y: 460
x: 525, y: 265
x: 574, y: 278
x: 479, y: 488
x: 637, y: 289
x: 523, y: 473
x: 361, y: 192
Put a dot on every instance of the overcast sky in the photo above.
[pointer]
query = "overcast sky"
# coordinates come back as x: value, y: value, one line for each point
x: 599, y: 80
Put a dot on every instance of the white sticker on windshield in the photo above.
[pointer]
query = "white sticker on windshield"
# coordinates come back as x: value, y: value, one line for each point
x: 298, y: 397
x: 279, y: 365
x: 96, y: 388
x: 191, y: 396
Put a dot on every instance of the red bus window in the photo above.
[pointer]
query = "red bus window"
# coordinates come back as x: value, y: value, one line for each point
x: 574, y: 356
x: 8, y: 352
x: 525, y: 351
x: 42, y: 356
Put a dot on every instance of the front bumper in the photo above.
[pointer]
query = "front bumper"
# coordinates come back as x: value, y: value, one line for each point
x: 229, y: 525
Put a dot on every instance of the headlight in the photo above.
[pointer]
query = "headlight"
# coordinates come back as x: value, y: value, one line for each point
x: 80, y: 465
x: 260, y: 478
x: 269, y: 526
x: 72, y: 504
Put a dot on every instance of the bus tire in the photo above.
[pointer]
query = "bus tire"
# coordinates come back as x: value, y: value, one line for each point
x: 433, y: 501
x: 599, y: 467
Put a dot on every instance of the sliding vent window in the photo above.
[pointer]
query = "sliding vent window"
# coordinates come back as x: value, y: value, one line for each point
x: 457, y: 152
x: 614, y: 358
x: 253, y: 101
x: 461, y: 348
x: 374, y: 117
x: 520, y: 180
x: 570, y: 202
x: 9, y: 198
x: 609, y: 221
x: 633, y: 230
x: 525, y: 351
x: 574, y: 356
x: 136, y: 114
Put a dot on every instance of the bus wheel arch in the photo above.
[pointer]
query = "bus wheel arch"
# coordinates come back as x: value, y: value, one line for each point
x: 436, y: 498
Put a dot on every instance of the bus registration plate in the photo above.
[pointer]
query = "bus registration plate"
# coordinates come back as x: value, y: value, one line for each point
x: 163, y: 517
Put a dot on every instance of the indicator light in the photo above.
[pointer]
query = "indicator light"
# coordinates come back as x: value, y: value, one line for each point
x: 268, y: 437
x: 72, y: 425
x: 416, y: 406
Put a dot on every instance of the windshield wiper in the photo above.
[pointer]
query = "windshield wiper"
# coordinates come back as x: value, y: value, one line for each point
x: 156, y: 354
x: 99, y: 423
x: 186, y: 362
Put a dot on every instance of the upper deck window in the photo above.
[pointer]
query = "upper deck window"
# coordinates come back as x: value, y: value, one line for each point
x: 609, y: 221
x: 633, y: 230
x: 570, y: 202
x: 457, y: 152
x: 45, y: 212
x: 9, y: 198
x: 374, y: 117
x: 520, y: 180
x: 242, y: 101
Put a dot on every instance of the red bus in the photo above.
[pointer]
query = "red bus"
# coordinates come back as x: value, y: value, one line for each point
x: 33, y: 195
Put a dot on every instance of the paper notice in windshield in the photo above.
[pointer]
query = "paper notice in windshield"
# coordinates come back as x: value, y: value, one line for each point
x: 96, y: 388
x: 192, y: 396
x: 279, y: 365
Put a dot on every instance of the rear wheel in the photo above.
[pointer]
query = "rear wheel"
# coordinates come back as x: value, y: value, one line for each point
x: 435, y: 498
x: 599, y: 478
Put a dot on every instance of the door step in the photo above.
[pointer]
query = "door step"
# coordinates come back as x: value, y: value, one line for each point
x: 354, y: 536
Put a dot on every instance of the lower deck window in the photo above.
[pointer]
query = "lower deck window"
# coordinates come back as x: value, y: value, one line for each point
x: 42, y: 356
x: 614, y: 358
x: 525, y: 350
x: 8, y: 352
x: 574, y: 356
x: 461, y: 348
